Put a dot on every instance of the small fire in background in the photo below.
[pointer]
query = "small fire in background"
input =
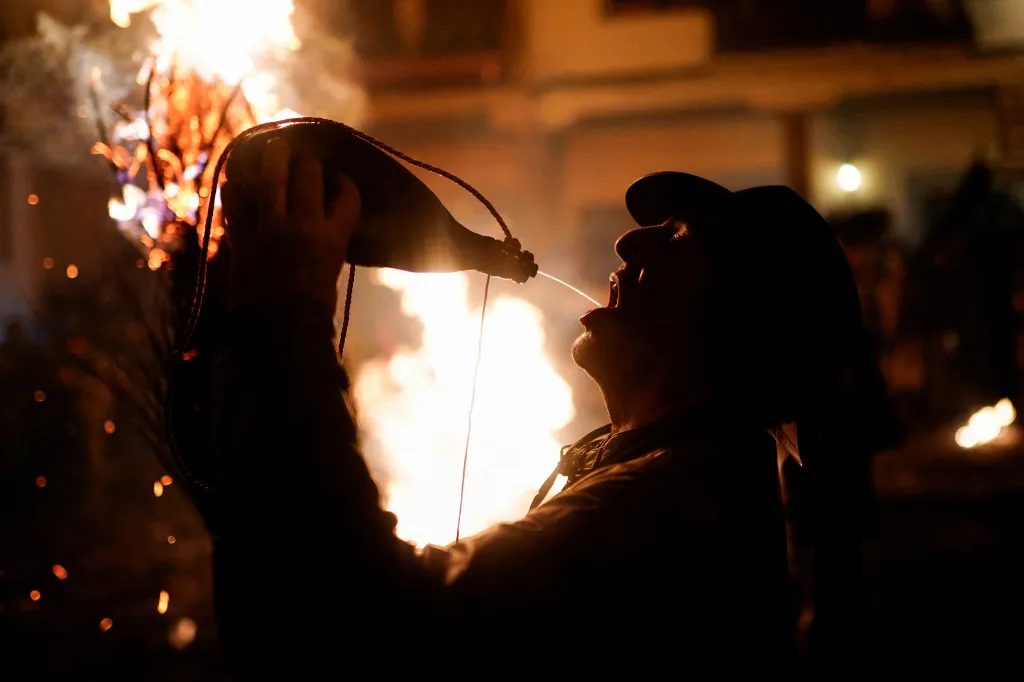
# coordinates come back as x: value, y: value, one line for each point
x: 986, y: 424
x: 413, y: 407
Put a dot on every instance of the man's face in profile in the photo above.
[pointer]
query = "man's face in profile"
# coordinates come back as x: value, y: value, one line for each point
x: 659, y: 305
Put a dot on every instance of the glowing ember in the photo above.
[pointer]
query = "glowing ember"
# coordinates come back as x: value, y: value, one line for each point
x: 413, y: 408
x: 986, y: 424
x: 158, y: 489
x: 60, y: 572
x: 127, y: 207
x: 183, y: 633
x: 106, y: 624
x: 157, y: 257
x: 165, y: 598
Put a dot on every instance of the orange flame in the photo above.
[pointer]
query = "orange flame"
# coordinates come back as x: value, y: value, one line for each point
x: 204, y: 49
x: 413, y: 406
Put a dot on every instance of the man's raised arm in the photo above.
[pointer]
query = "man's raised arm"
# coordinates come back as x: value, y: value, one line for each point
x: 305, y: 558
x: 302, y: 543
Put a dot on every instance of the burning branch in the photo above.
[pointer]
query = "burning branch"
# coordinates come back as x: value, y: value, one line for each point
x: 187, y: 126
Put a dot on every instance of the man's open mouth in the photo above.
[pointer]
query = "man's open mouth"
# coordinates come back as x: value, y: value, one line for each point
x: 623, y: 286
x: 616, y: 282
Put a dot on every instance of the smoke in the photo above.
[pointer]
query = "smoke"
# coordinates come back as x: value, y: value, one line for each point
x: 58, y: 87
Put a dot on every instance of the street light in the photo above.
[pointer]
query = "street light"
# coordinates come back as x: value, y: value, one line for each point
x: 848, y: 177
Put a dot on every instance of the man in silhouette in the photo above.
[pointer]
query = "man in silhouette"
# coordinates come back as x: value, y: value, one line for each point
x: 668, y: 543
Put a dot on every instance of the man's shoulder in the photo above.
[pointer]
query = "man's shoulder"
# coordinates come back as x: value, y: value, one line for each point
x: 659, y: 467
x: 668, y: 475
x: 657, y: 460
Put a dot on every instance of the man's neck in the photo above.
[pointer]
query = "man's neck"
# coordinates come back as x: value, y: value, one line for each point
x: 634, y: 412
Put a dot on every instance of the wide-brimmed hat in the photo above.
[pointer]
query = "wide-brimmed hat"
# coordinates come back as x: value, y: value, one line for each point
x: 655, y: 198
x: 800, y: 302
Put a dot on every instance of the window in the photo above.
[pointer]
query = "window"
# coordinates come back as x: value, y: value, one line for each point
x: 394, y: 29
x: 766, y: 24
x: 423, y: 42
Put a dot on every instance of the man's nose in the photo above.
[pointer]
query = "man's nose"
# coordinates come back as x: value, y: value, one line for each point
x: 644, y: 241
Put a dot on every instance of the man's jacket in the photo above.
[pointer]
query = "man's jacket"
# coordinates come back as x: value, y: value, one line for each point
x: 668, y: 540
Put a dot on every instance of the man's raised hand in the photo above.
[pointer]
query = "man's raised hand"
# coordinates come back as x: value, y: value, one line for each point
x: 287, y: 241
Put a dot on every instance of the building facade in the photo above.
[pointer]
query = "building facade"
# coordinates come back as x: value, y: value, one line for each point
x: 554, y: 114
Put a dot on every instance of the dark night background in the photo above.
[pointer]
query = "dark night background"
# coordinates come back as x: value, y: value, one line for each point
x: 924, y: 97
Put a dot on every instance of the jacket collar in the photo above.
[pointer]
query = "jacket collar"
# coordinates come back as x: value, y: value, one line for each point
x: 601, y: 447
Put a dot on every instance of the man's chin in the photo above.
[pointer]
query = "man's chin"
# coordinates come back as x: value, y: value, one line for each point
x: 588, y: 353
x: 604, y: 344
x: 581, y: 349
